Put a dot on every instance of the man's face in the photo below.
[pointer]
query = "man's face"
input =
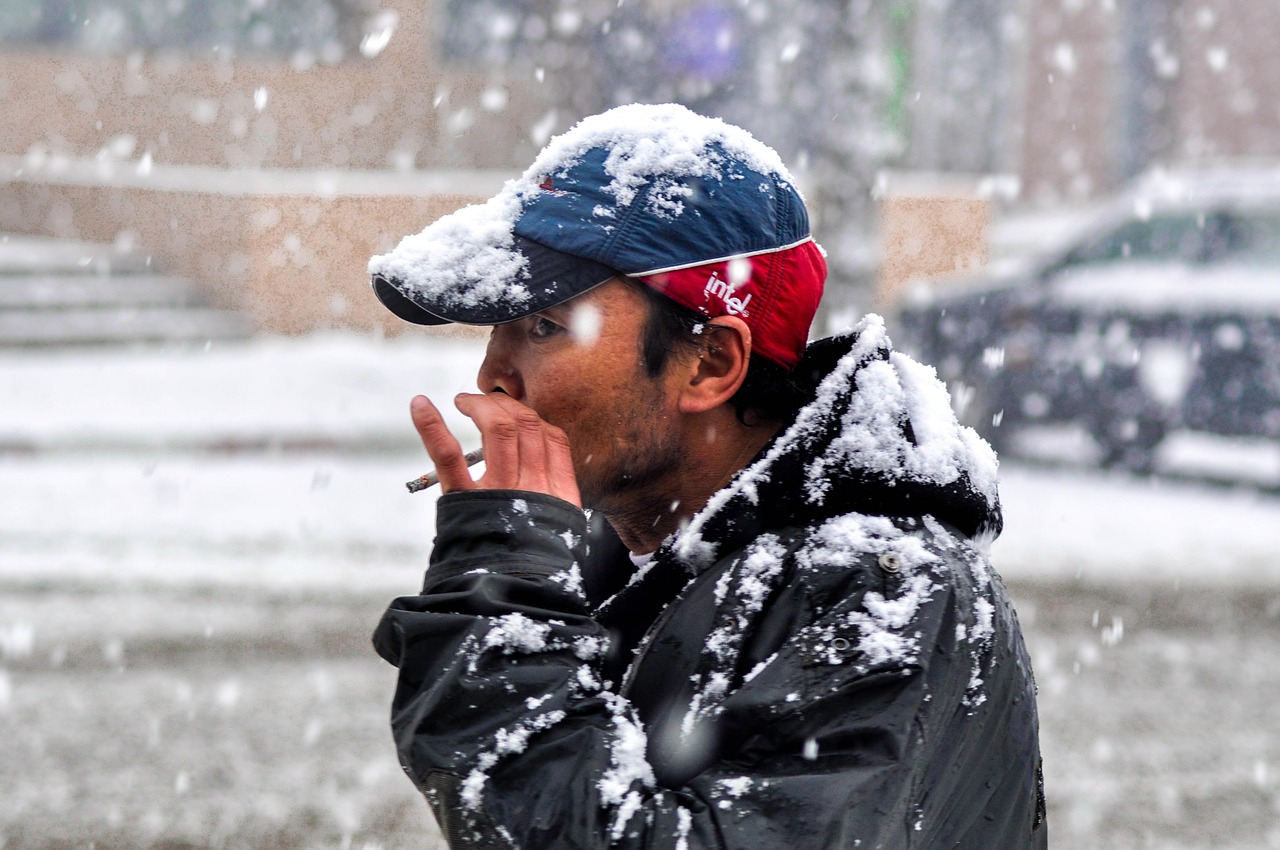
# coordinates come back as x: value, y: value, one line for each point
x: 579, y: 367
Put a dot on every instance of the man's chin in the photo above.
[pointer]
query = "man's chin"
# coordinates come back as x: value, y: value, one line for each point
x: 593, y: 500
x: 622, y: 492
x: 603, y: 495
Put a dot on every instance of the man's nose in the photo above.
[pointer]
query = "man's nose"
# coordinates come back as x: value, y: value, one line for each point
x: 497, y: 372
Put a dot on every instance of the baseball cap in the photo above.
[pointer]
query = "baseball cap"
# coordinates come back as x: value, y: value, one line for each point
x: 692, y: 206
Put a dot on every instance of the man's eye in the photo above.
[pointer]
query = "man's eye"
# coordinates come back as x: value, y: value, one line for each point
x: 543, y: 328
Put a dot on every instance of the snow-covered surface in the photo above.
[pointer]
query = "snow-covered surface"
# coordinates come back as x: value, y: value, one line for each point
x: 98, y: 491
x: 1239, y: 182
x: 271, y: 462
x: 1022, y: 240
x: 1170, y: 288
x: 340, y: 388
x: 1137, y: 288
x: 1102, y: 529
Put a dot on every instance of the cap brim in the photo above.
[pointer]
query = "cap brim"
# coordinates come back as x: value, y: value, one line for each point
x: 553, y: 278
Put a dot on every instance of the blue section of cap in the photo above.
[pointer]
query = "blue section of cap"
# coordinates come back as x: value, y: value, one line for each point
x: 562, y: 215
x: 738, y: 211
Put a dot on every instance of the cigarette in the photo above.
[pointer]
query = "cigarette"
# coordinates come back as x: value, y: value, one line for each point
x: 432, y: 478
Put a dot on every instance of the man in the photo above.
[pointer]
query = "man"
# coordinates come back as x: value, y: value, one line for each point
x: 803, y: 647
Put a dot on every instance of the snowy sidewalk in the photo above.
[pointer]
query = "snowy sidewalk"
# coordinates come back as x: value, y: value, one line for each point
x: 282, y: 462
x: 277, y: 462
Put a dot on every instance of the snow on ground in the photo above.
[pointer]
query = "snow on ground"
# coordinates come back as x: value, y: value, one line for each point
x: 336, y: 388
x: 282, y: 463
x: 274, y: 461
x: 157, y: 507
x: 1101, y: 528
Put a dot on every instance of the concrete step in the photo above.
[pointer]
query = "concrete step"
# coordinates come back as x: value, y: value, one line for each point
x: 60, y: 291
x: 41, y: 255
x: 56, y: 292
x: 83, y: 327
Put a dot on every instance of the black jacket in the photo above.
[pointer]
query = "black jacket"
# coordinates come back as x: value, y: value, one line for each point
x: 820, y: 659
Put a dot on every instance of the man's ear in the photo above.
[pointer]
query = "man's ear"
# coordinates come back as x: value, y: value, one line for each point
x: 721, y: 367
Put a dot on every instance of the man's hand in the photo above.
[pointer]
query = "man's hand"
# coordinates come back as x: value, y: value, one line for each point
x: 521, y: 451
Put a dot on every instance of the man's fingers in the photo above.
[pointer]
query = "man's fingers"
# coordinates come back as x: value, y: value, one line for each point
x: 546, y: 462
x: 561, y: 476
x: 499, y: 436
x: 442, y: 447
x: 531, y: 443
x: 522, y: 451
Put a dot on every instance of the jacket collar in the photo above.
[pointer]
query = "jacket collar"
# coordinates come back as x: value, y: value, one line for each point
x: 877, y: 436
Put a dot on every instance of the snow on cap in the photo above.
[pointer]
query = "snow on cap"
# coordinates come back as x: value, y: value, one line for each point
x: 694, y: 207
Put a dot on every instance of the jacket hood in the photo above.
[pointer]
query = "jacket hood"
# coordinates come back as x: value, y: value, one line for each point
x: 878, y: 436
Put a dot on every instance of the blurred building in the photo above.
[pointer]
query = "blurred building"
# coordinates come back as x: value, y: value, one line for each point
x: 246, y: 143
x: 1076, y: 96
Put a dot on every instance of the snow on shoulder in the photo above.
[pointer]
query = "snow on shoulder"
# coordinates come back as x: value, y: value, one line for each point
x: 470, y: 255
x: 856, y: 421
x: 888, y: 393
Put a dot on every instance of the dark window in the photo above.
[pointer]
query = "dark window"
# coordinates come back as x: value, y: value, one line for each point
x: 1252, y: 239
x: 1178, y: 238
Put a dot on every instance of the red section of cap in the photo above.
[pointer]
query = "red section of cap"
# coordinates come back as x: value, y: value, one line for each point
x: 776, y: 294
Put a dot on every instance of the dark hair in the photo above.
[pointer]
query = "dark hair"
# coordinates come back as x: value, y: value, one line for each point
x: 768, y: 390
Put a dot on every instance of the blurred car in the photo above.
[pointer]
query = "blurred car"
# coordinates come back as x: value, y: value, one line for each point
x: 1161, y: 312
